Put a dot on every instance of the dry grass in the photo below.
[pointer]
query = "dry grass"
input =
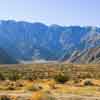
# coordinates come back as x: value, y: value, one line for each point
x: 47, y: 89
x: 39, y: 79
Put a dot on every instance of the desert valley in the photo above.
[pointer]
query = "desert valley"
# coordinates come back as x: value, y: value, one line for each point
x: 49, y: 62
x: 59, y: 81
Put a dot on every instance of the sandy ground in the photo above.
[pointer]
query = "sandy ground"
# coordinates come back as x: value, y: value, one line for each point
x: 76, y: 97
x: 27, y: 95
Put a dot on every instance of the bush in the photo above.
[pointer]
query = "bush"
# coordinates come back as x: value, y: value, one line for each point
x: 2, y: 76
x: 29, y: 76
x: 19, y: 84
x: 33, y: 87
x: 88, y: 83
x: 62, y: 78
x: 4, y: 98
x: 77, y: 81
x: 13, y: 76
x: 11, y: 86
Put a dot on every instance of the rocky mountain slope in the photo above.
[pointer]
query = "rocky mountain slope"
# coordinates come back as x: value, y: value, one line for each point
x: 88, y: 56
x: 34, y: 41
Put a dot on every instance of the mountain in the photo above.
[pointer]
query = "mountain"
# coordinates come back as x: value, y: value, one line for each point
x: 5, y: 58
x: 34, y: 41
x: 91, y: 55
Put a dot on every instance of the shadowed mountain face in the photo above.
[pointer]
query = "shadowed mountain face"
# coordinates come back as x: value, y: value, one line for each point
x: 33, y: 41
x: 5, y: 58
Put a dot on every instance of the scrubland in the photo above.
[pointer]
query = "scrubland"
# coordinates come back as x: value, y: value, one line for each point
x: 57, y: 81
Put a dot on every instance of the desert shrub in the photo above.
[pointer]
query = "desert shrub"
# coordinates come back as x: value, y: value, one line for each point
x: 19, y: 84
x: 62, y: 78
x: 88, y: 83
x: 4, y: 98
x: 89, y: 75
x: 11, y: 86
x: 7, y: 82
x: 85, y: 75
x: 2, y: 76
x: 13, y: 76
x: 28, y: 76
x: 33, y: 87
x: 77, y: 80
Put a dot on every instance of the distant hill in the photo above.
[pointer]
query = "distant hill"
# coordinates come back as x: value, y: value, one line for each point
x: 33, y: 41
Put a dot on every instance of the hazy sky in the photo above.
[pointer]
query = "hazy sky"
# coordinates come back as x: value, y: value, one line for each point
x: 63, y: 12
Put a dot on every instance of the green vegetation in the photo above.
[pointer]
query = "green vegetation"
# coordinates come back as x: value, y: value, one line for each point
x: 47, y: 71
x: 4, y: 98
x: 50, y: 78
x: 13, y: 76
x: 62, y: 78
x: 88, y: 83
x: 2, y: 76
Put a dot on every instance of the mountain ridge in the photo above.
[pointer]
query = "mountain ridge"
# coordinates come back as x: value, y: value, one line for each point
x: 33, y: 41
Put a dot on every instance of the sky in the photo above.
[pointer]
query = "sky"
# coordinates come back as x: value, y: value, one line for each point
x: 62, y: 12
